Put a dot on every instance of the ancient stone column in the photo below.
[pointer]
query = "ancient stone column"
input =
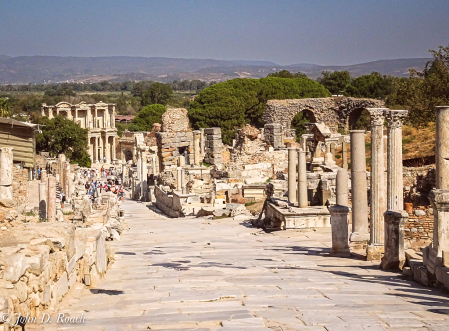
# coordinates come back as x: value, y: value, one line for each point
x: 328, y: 157
x: 345, y: 154
x: 139, y: 165
x: 66, y: 179
x: 292, y: 175
x: 179, y: 179
x: 196, y: 147
x: 43, y: 195
x: 359, y: 187
x: 339, y: 227
x: 183, y: 181
x: 202, y: 141
x: 181, y: 161
x: 70, y: 186
x: 395, y: 199
x: 51, y: 198
x: 302, y: 179
x: 394, y: 257
x: 153, y: 162
x: 378, y: 191
x: 440, y: 203
x: 44, y: 176
x: 442, y: 148
x: 342, y: 187
x: 144, y: 183
x: 6, y: 176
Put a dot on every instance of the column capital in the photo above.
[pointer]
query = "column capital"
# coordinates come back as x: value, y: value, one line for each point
x: 395, y: 118
x: 377, y: 116
x: 440, y: 199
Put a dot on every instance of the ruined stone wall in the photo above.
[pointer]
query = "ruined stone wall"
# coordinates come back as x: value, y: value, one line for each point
x: 418, y: 182
x: 175, y: 120
x: 165, y: 203
x: 20, y: 188
x: 331, y: 111
x: 214, y: 146
x: 170, y: 146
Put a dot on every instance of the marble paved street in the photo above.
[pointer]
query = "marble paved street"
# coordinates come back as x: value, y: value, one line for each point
x: 198, y: 274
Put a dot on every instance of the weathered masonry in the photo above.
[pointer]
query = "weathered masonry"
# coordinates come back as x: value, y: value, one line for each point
x: 99, y: 118
x: 20, y: 136
x: 333, y: 112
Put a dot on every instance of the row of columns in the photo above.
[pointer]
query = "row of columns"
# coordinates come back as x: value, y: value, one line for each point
x: 102, y: 149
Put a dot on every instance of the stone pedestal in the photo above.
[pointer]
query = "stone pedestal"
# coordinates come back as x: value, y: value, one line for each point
x: 51, y: 199
x: 359, y: 188
x: 183, y: 181
x: 339, y: 225
x: 196, y: 147
x: 342, y: 187
x: 378, y: 191
x: 395, y: 187
x: 394, y: 257
x: 302, y: 180
x: 442, y: 148
x: 43, y: 196
x: 6, y: 176
x: 292, y: 175
x: 328, y: 157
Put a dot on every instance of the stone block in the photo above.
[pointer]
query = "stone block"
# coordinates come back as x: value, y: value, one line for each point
x: 62, y: 286
x: 15, y: 267
x: 72, y: 279
x: 212, y: 131
x: 71, y: 264
x: 21, y: 290
x: 101, y: 259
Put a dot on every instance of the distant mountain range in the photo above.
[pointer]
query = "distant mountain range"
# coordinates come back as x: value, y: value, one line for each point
x: 52, y: 69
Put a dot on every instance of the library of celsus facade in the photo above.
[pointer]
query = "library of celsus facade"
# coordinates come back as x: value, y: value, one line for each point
x: 99, y: 118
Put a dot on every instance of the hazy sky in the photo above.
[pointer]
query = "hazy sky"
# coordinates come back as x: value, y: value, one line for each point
x: 283, y: 31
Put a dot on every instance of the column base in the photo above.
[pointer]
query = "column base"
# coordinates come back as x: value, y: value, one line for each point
x: 374, y: 252
x: 358, y: 237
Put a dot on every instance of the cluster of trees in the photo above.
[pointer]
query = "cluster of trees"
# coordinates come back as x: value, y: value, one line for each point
x: 147, y: 117
x: 193, y: 86
x: 61, y: 135
x: 234, y: 103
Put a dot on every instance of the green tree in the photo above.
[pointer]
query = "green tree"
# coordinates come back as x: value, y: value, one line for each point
x: 147, y: 117
x: 336, y: 82
x: 234, y: 103
x: 5, y: 107
x: 375, y: 86
x: 157, y: 93
x: 287, y: 74
x: 61, y: 135
x: 425, y: 90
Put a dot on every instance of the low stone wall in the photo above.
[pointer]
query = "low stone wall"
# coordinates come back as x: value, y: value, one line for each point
x: 44, y: 261
x: 167, y: 204
x: 419, y: 227
x: 20, y: 188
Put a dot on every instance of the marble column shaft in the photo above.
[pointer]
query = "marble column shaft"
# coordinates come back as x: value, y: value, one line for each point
x: 66, y: 179
x: 440, y: 203
x: 345, y: 154
x: 395, y: 199
x: 377, y: 198
x: 144, y: 184
x: 196, y: 147
x: 302, y: 180
x: 139, y: 165
x: 359, y: 187
x: 51, y: 199
x: 292, y: 175
x: 342, y: 187
x: 442, y: 148
x: 43, y: 196
x: 179, y: 179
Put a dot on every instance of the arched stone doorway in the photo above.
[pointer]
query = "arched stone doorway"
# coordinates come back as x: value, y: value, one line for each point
x: 299, y: 120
